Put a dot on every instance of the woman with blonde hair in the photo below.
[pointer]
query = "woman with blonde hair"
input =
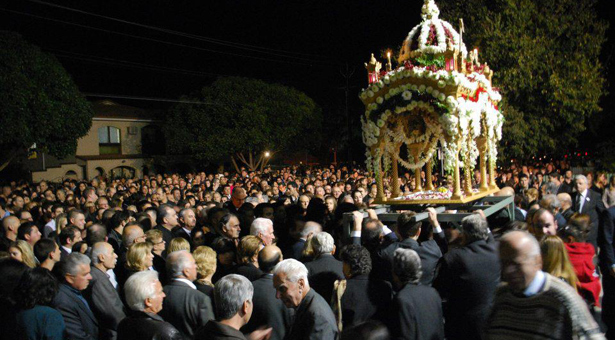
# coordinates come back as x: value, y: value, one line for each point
x: 247, y: 254
x: 555, y: 260
x: 206, y: 263
x: 532, y: 196
x: 139, y: 258
x: 20, y: 250
x: 178, y: 243
x: 61, y: 223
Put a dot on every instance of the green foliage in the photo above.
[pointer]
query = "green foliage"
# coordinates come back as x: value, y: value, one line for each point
x: 545, y: 60
x: 429, y: 60
x: 40, y: 102
x: 242, y: 115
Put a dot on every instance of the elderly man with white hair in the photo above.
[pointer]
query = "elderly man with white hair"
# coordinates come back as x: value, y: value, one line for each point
x: 314, y: 318
x: 586, y: 201
x: 309, y: 228
x: 186, y: 308
x: 233, y: 295
x: 144, y: 296
x: 533, y: 304
x: 263, y: 229
x: 325, y: 269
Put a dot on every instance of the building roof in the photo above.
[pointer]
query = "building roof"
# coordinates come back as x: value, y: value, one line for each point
x: 112, y: 110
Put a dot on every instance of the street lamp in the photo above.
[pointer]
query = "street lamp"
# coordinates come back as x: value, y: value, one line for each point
x: 267, y: 154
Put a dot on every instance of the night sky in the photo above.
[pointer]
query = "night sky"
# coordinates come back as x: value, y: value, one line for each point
x: 304, y: 44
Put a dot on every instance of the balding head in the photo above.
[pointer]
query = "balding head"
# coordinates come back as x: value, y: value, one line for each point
x: 10, y: 225
x: 520, y: 259
x: 238, y: 197
x: 506, y: 191
x: 268, y: 257
x: 132, y: 234
x: 544, y: 223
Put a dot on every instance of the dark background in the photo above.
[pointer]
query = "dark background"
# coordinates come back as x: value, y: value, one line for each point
x: 318, y: 47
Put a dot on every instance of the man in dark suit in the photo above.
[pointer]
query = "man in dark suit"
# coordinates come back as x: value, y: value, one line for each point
x: 606, y: 261
x: 268, y: 311
x: 116, y: 228
x: 101, y: 295
x: 588, y: 202
x: 325, y: 269
x: 185, y: 307
x: 233, y: 294
x: 68, y: 237
x: 167, y: 220
x: 428, y: 250
x: 74, y: 272
x: 416, y: 311
x: 313, y: 316
x: 364, y: 298
x: 144, y: 296
x: 187, y: 222
x: 467, y: 279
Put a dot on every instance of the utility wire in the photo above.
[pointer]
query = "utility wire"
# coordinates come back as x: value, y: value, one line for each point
x: 259, y: 49
x: 130, y: 64
x: 155, y: 99
x: 161, y: 41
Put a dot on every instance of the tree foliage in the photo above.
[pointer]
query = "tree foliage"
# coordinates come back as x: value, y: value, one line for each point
x: 242, y: 117
x: 545, y: 60
x: 40, y: 102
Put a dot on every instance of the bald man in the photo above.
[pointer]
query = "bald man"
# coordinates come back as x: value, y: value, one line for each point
x: 566, y: 205
x: 238, y: 197
x: 268, y: 311
x: 533, y: 304
x: 11, y: 226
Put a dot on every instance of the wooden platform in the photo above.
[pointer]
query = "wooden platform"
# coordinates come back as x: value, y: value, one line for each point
x: 464, y: 200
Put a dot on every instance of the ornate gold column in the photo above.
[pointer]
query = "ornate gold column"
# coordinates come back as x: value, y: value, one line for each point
x: 395, y: 192
x: 415, y: 150
x: 492, y: 184
x: 482, y: 148
x: 428, y: 179
x: 457, y: 187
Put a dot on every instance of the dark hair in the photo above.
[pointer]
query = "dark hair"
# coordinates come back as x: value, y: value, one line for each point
x: 68, y: 233
x: 259, y: 211
x: 407, y: 226
x: 96, y: 233
x: 11, y: 271
x: 370, y: 237
x: 36, y: 287
x: 117, y: 218
x: 25, y: 229
x: 267, y: 265
x: 225, y: 219
x: 163, y: 211
x: 358, y: 258
x: 77, y: 246
x: 43, y: 248
x: 578, y: 227
x: 73, y: 213
x: 223, y: 245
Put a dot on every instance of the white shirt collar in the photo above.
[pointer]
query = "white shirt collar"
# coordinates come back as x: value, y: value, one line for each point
x: 188, y: 231
x: 68, y: 250
x: 536, y: 284
x: 186, y: 281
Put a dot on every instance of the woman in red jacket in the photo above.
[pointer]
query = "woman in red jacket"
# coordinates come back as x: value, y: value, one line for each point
x: 581, y: 256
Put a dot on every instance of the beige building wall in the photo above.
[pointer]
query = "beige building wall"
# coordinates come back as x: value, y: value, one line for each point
x: 57, y: 174
x: 92, y: 166
x: 131, y: 143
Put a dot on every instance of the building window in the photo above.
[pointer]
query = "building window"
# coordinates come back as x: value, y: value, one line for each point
x: 109, y: 140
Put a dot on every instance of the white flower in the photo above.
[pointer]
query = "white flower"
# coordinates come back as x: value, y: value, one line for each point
x: 441, y: 97
x: 375, y: 88
x: 429, y: 89
x: 370, y: 94
x: 387, y: 96
x: 363, y: 95
x: 414, y: 87
x: 435, y: 93
x: 407, y: 95
x: 387, y: 79
x: 379, y: 100
x: 422, y: 88
x: 441, y: 84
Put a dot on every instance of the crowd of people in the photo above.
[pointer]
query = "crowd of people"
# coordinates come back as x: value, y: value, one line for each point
x: 269, y: 255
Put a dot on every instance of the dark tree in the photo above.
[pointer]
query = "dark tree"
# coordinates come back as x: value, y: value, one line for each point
x: 40, y: 102
x: 242, y: 118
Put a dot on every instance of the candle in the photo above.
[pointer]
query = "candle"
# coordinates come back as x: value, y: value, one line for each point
x: 389, y: 65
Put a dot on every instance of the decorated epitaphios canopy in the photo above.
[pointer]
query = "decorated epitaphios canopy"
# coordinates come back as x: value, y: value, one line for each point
x: 439, y: 96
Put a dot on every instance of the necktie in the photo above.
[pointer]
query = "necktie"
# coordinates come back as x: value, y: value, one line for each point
x: 579, y: 200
